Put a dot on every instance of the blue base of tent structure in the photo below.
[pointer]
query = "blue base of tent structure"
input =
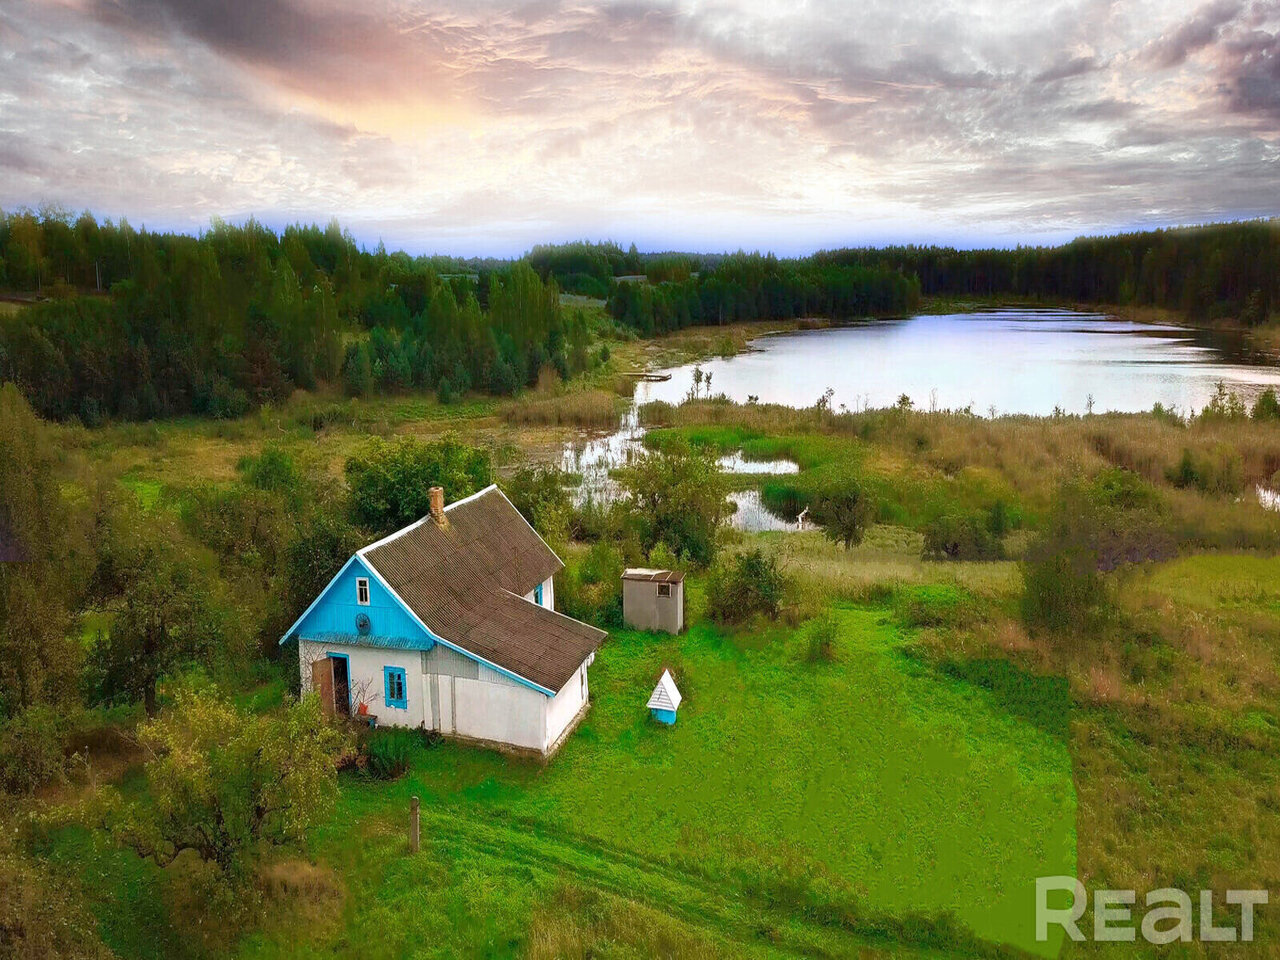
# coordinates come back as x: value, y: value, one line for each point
x: 664, y: 716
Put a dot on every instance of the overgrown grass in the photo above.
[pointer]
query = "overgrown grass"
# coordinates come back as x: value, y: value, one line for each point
x: 796, y: 806
x: 918, y: 464
x: 777, y: 784
x: 591, y: 408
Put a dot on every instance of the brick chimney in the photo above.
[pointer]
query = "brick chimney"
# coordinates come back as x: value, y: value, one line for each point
x: 437, y: 506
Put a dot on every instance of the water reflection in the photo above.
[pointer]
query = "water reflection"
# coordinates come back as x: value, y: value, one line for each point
x: 1009, y: 361
x: 991, y: 362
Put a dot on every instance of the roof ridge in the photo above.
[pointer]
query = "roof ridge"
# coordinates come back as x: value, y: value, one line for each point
x: 427, y: 516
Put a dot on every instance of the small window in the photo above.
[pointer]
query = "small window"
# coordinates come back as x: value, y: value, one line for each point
x: 664, y: 589
x: 395, y: 694
x: 362, y: 591
x: 537, y: 594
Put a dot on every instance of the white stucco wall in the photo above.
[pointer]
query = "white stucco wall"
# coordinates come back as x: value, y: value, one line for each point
x: 454, y: 694
x: 507, y: 713
x: 564, y: 706
x: 364, y: 665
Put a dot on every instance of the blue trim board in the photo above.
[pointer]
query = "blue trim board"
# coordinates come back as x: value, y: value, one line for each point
x: 343, y: 656
x: 524, y: 681
x: 396, y: 675
x: 402, y: 620
x: 537, y: 594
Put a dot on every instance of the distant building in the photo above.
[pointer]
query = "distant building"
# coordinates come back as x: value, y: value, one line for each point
x: 450, y: 625
x: 665, y: 700
x: 653, y: 599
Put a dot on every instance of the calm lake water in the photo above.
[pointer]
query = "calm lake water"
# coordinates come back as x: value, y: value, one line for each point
x: 1015, y: 361
x: 1009, y: 361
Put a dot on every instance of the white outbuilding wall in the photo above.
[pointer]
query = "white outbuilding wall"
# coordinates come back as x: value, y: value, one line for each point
x: 455, y: 695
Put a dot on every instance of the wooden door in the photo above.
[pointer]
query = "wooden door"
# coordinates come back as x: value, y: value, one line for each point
x: 322, y: 682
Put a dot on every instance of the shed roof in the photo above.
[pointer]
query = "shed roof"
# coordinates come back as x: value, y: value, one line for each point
x: 653, y: 576
x: 665, y: 695
x: 467, y: 581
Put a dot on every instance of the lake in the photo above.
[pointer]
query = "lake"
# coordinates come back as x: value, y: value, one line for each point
x: 1012, y: 361
x: 1005, y: 361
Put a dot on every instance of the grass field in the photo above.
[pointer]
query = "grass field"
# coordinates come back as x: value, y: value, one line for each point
x: 870, y: 801
x: 804, y: 787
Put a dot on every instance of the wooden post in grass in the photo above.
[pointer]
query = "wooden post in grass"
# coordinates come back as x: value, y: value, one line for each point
x: 414, y: 819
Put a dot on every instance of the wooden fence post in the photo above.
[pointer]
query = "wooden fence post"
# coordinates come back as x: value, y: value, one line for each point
x: 414, y: 819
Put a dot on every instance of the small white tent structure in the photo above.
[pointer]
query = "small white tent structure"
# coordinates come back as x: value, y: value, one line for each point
x: 665, y: 700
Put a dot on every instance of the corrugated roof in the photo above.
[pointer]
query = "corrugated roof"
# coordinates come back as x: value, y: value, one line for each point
x: 653, y: 576
x: 467, y: 581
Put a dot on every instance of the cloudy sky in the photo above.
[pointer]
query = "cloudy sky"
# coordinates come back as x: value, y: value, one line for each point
x: 482, y: 127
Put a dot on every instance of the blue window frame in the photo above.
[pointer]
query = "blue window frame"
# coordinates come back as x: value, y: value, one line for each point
x: 537, y: 594
x: 396, y: 692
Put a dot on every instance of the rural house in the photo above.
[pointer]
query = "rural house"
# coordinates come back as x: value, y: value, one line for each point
x: 450, y: 625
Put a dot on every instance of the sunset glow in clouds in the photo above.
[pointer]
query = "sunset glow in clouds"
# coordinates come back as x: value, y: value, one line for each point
x: 484, y: 128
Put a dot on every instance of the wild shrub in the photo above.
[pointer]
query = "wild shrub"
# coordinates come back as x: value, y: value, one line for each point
x: 42, y: 917
x: 1267, y: 406
x: 965, y: 535
x: 1224, y: 405
x: 747, y: 585
x: 1063, y: 587
x: 388, y: 751
x: 590, y: 586
x: 820, y: 639
x: 225, y: 782
x: 934, y: 605
x: 844, y: 512
x: 273, y: 469
x: 31, y: 748
x: 1218, y: 472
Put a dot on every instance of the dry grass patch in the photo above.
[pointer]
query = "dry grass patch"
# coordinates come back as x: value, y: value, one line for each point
x: 591, y: 408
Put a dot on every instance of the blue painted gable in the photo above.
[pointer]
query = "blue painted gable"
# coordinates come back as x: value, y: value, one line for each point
x: 336, y: 609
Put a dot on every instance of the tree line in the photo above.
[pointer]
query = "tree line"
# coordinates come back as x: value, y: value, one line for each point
x: 132, y: 324
x: 136, y: 325
x: 759, y: 287
x: 1220, y: 271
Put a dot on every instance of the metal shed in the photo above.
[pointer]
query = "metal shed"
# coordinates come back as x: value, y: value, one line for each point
x: 653, y: 599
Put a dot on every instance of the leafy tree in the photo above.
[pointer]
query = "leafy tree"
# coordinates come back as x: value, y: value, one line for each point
x: 1267, y: 406
x: 43, y: 565
x: 844, y: 512
x: 963, y: 535
x: 224, y: 782
x: 678, y: 497
x: 390, y: 480
x: 321, y: 542
x: 42, y: 917
x: 748, y: 585
x: 1094, y: 526
x: 165, y: 612
x: 540, y: 494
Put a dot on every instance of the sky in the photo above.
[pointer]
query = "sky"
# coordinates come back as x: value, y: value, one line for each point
x: 482, y: 128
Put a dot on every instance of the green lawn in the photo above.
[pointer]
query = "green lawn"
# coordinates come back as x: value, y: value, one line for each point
x: 793, y: 806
